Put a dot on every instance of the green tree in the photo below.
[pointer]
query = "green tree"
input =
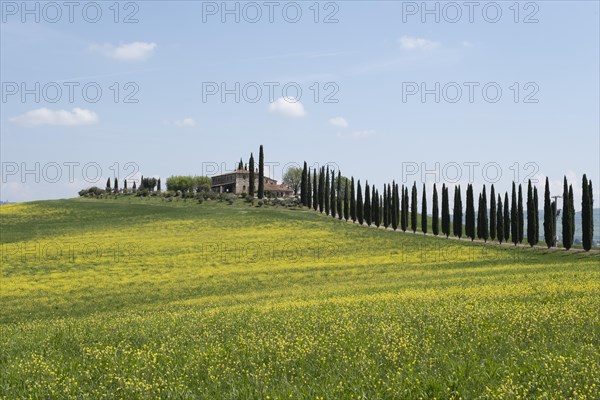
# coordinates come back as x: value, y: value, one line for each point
x: 340, y: 196
x: 435, y: 213
x: 404, y: 211
x: 520, y: 214
x: 514, y: 217
x: 261, y: 173
x: 586, y: 214
x: 386, y: 221
x: 251, y: 176
x: 367, y: 212
x: 499, y: 221
x: 308, y: 189
x: 548, y: 217
x: 376, y: 217
x: 413, y: 208
x: 125, y: 186
x: 240, y: 165
x: 457, y: 216
x: 445, y: 211
x: 506, y: 214
x: 424, y: 211
x: 346, y: 202
x: 327, y: 193
x: 530, y: 215
x: 303, y: 185
x: 293, y: 178
x: 485, y: 232
x: 108, y: 190
x: 566, y: 217
x: 470, y: 214
x: 322, y: 190
x: 493, y: 213
x: 396, y: 206
x: 159, y: 185
x: 332, y: 197
x: 116, y: 186
x: 352, y: 201
x: 359, y: 204
x: 536, y: 214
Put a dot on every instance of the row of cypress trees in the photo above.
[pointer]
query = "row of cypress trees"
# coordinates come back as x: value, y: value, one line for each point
x: 323, y: 191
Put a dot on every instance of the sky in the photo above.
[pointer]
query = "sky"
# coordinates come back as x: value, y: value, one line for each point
x: 446, y: 92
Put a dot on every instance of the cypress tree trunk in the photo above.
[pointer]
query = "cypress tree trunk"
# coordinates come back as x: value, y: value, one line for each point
x: 322, y: 190
x: 326, y: 192
x: 492, y: 213
x: 251, y: 178
x: 359, y: 204
x: 424, y: 211
x: 457, y: 216
x: 367, y: 211
x: 346, y: 203
x: 530, y: 215
x: 499, y: 221
x: 435, y: 212
x: 548, y: 221
x: 585, y: 214
x: 413, y: 208
x: 506, y: 218
x: 332, y: 201
x: 536, y: 214
x: 352, y: 201
x: 514, y: 217
x: 566, y: 217
x: 261, y: 173
x: 520, y: 214
x: 340, y: 198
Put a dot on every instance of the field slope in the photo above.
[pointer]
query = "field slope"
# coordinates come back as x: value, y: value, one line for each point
x: 143, y: 299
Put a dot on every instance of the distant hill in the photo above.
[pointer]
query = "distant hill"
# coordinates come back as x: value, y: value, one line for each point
x: 596, y: 237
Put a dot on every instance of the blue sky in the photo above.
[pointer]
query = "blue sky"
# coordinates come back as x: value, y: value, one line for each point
x: 368, y: 61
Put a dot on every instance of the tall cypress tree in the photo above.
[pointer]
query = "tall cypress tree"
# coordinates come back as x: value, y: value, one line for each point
x: 340, y: 198
x: 413, y: 208
x: 359, y: 204
x: 479, y: 218
x: 326, y: 192
x: 158, y: 185
x: 346, y: 202
x: 315, y: 195
x: 530, y: 216
x: 376, y: 217
x: 240, y: 165
x: 403, y: 212
x: 548, y: 217
x: 445, y: 211
x: 303, y: 185
x: 125, y: 186
x: 352, y: 201
x: 261, y: 173
x: 108, y: 185
x: 435, y: 224
x: 499, y: 221
x: 536, y: 215
x: 333, y: 201
x: 514, y: 216
x: 520, y: 214
x: 251, y: 177
x: 506, y: 217
x: 585, y: 214
x: 386, y: 221
x: 116, y: 186
x: 470, y: 214
x: 308, y: 190
x: 492, y: 213
x: 396, y: 206
x: 485, y: 232
x: 322, y: 190
x: 457, y: 216
x: 424, y: 211
x: 591, y: 210
x: 566, y: 217
x: 367, y: 210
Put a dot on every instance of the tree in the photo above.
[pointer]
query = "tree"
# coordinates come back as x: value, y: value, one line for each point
x: 536, y: 215
x: 457, y: 216
x: 352, y: 201
x: 514, y: 217
x: 485, y: 232
x: 520, y: 214
x: 308, y: 189
x: 340, y: 198
x: 346, y: 203
x: 359, y: 204
x: 435, y: 228
x: 293, y: 177
x: 492, y: 213
x: 327, y: 192
x: 386, y: 221
x: 395, y: 206
x: 506, y: 214
x: 108, y: 186
x: 261, y: 173
x: 591, y: 210
x: 125, y: 186
x: 530, y: 215
x: 315, y: 196
x: 251, y: 177
x: 303, y: 185
x: 566, y: 217
x: 333, y: 199
x: 322, y: 190
x: 470, y: 214
x: 376, y: 217
x: 424, y: 211
x: 548, y: 217
x: 413, y: 208
x: 479, y: 218
x: 240, y: 165
x: 158, y: 185
x: 499, y: 221
x: 116, y: 186
x: 134, y: 188
x: 445, y: 211
x: 367, y: 212
x: 586, y: 214
x: 403, y: 211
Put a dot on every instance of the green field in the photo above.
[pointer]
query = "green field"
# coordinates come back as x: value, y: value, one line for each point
x: 142, y: 299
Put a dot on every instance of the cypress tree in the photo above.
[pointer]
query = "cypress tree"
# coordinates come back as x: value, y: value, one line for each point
x: 322, y: 190
x: 359, y: 204
x: 303, y: 185
x: 485, y: 232
x: 326, y: 193
x: 530, y: 216
x: 479, y: 218
x: 506, y: 217
x: 240, y: 165
x: 396, y: 206
x: 308, y: 190
x: 492, y: 213
x: 116, y: 187
x: 536, y: 215
x: 390, y: 205
x: 514, y: 217
x: 108, y: 185
x: 251, y: 177
x: 470, y: 214
x: 340, y: 199
x: 520, y: 214
x: 413, y: 208
x: 352, y: 201
x: 158, y: 185
x: 315, y: 195
x: 346, y: 203
x: 376, y: 217
x: 261, y: 173
x: 591, y: 210
x: 332, y: 201
x: 134, y: 188
x: 499, y: 221
x: 367, y: 211
x: 457, y: 216
x: 566, y: 217
x: 125, y: 186
x: 403, y: 214
x: 571, y: 215
x: 386, y: 221
x: 585, y: 214
x: 424, y: 211
x: 435, y: 228
x: 445, y: 211
x: 548, y: 217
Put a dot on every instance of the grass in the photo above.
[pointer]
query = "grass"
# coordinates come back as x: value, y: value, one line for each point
x: 139, y: 298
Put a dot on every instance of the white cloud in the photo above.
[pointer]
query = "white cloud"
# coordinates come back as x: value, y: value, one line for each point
x: 185, y: 123
x: 288, y: 106
x: 340, y: 122
x: 413, y: 43
x: 134, y: 51
x: 45, y: 116
x: 358, y: 134
x: 467, y: 44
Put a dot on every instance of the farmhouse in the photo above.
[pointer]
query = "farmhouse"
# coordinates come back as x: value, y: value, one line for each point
x: 238, y: 181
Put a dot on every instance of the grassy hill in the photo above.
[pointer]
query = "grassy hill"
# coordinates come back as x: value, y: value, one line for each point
x: 140, y: 298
